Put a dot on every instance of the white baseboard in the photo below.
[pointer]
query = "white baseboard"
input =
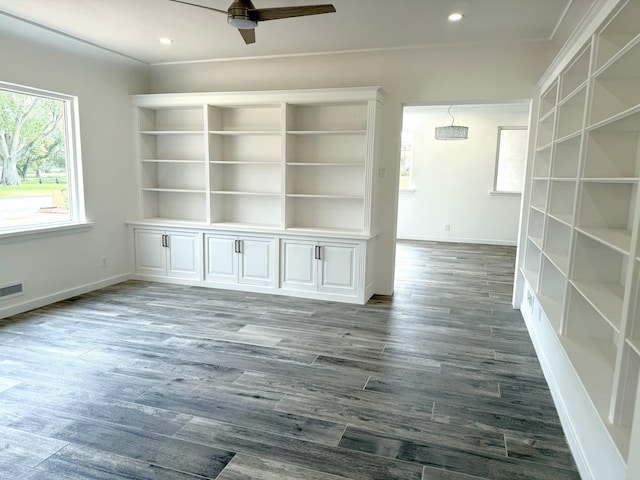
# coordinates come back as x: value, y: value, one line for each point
x: 593, y: 449
x: 481, y: 241
x: 62, y: 295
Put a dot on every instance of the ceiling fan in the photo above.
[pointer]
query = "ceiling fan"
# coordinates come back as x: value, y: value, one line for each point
x: 244, y: 16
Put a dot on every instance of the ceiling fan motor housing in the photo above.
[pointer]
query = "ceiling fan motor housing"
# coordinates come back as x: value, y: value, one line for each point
x: 238, y: 15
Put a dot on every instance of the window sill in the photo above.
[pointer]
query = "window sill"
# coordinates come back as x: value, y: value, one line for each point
x: 44, y: 231
x: 508, y: 194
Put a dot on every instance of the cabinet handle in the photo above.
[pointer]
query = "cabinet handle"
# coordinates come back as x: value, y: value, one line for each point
x: 317, y: 252
x: 239, y: 246
x: 163, y: 242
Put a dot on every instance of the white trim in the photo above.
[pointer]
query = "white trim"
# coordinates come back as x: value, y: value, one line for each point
x: 434, y: 238
x: 593, y: 449
x: 59, y: 296
x: 42, y: 230
x: 594, y: 17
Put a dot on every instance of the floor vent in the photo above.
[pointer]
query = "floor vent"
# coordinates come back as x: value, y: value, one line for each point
x: 9, y: 291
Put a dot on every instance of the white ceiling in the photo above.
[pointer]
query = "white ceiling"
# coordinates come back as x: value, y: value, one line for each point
x: 133, y: 27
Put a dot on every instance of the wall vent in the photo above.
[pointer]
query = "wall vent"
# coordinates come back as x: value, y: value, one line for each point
x: 13, y: 290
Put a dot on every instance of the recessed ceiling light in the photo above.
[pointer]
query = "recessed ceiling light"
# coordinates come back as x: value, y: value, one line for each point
x: 165, y: 41
x: 455, y: 17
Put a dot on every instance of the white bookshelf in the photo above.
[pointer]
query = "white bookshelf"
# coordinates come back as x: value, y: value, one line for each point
x: 280, y: 163
x: 584, y: 274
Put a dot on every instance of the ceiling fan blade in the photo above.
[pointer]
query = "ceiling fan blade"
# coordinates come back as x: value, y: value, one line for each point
x: 248, y: 34
x: 262, y: 14
x: 201, y: 6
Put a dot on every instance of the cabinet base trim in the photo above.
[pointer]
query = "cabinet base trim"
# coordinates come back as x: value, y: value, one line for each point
x: 329, y: 297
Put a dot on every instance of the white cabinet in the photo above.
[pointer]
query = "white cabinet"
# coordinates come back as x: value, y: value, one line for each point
x: 245, y: 260
x: 168, y: 254
x: 327, y: 267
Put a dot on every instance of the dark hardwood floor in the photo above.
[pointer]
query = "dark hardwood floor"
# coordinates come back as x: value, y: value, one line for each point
x: 154, y: 381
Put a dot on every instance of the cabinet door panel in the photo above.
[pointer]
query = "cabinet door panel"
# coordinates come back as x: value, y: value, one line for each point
x: 256, y: 262
x: 298, y: 271
x: 222, y: 261
x: 183, y: 256
x: 338, y: 269
x: 150, y: 254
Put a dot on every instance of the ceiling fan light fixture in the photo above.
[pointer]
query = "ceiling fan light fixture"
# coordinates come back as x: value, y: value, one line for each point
x: 242, y: 23
x: 456, y: 17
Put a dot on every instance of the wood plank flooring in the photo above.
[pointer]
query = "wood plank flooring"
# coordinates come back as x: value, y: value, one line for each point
x: 155, y: 381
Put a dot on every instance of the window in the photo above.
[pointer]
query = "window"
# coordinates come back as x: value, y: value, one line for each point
x: 40, y: 182
x: 406, y: 161
x: 510, y: 159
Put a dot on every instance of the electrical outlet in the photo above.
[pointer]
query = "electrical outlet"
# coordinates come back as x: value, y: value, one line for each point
x: 382, y: 172
x: 103, y: 261
x: 447, y: 227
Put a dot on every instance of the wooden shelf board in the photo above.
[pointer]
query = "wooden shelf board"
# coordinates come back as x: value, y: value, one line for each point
x: 545, y: 116
x: 537, y: 209
x: 244, y: 132
x: 624, y: 64
x: 241, y: 193
x: 172, y: 190
x: 181, y: 162
x: 326, y: 132
x: 232, y: 163
x: 537, y: 241
x: 569, y: 136
x: 606, y: 298
x: 610, y: 179
x: 552, y: 308
x: 616, y: 238
x: 531, y: 276
x: 180, y: 222
x: 346, y: 232
x: 332, y: 197
x: 325, y: 164
x: 564, y: 218
x: 561, y: 262
x: 172, y: 132
x: 607, y: 124
x: 634, y: 344
x: 246, y: 226
x: 573, y: 92
x: 594, y: 362
x: 564, y: 179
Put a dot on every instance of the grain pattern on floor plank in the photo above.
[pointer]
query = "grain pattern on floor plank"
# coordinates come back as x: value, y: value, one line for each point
x: 170, y: 382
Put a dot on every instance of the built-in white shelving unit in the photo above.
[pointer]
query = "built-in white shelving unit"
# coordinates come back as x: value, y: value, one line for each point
x: 285, y: 163
x: 581, y: 259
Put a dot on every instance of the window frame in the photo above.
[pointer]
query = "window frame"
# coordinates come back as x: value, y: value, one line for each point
x: 75, y: 184
x: 411, y: 187
x: 495, y: 190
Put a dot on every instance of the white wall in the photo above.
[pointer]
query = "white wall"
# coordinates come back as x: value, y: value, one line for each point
x: 489, y: 73
x: 60, y: 265
x: 452, y: 180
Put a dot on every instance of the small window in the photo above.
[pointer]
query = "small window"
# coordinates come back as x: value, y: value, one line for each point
x: 510, y: 159
x: 40, y: 183
x: 406, y: 161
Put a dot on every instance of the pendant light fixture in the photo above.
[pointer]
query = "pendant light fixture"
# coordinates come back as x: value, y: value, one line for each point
x: 452, y: 132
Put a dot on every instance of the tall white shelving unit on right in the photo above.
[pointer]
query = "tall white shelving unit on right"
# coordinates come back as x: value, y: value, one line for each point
x: 581, y: 261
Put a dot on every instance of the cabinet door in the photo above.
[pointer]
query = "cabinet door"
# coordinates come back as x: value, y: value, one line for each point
x: 221, y: 263
x: 298, y: 265
x: 150, y: 253
x: 256, y: 262
x: 183, y: 255
x: 338, y: 268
